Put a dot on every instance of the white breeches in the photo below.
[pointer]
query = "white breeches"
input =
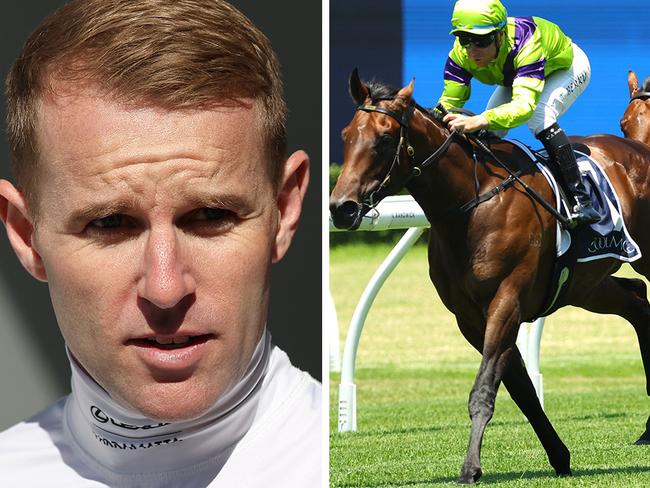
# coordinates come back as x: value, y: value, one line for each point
x: 561, y: 89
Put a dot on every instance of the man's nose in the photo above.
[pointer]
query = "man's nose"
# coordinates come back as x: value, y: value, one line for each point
x: 165, y: 279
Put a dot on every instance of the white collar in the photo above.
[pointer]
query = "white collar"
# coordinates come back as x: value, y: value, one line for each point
x: 125, y: 442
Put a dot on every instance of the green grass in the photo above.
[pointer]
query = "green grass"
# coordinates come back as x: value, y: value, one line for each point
x: 414, y: 373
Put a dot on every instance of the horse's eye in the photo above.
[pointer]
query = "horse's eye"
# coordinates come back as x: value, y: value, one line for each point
x: 385, y: 139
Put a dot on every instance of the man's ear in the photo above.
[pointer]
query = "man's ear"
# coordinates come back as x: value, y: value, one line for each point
x: 20, y: 229
x: 290, y: 197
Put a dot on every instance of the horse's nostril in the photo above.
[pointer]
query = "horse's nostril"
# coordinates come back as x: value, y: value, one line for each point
x: 345, y: 215
x: 349, y: 208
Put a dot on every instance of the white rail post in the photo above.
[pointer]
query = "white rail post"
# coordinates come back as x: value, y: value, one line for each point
x: 529, y: 341
x: 331, y: 322
x: 347, y: 388
x: 534, y: 346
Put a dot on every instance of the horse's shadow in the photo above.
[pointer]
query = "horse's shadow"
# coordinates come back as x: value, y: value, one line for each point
x: 577, y: 473
x: 511, y: 476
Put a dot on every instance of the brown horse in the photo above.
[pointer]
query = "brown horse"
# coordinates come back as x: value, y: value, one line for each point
x: 491, y: 265
x: 635, y: 122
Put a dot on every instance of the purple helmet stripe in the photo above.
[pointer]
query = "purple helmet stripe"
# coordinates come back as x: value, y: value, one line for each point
x: 532, y: 70
x: 524, y: 29
x: 456, y: 73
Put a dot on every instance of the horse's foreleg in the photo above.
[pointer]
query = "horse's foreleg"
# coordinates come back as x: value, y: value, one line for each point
x: 501, y: 330
x: 522, y: 391
x: 626, y: 298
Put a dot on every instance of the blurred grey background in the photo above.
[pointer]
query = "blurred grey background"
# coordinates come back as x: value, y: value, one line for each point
x: 33, y: 367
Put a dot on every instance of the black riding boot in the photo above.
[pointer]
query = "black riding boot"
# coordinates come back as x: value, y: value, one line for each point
x: 559, y: 150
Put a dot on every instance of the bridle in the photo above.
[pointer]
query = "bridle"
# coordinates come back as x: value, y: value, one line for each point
x: 403, y: 119
x: 644, y: 95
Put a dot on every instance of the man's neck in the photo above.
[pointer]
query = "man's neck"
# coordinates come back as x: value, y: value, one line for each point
x: 123, y: 441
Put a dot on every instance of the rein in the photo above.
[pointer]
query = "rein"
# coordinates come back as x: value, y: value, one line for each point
x: 416, y: 170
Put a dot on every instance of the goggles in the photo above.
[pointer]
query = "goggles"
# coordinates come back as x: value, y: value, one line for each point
x: 467, y: 40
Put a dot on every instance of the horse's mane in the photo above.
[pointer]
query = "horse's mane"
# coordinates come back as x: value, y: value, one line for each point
x: 383, y: 91
x: 380, y: 90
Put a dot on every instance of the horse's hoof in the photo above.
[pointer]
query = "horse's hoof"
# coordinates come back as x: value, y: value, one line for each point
x: 561, y: 461
x: 564, y: 474
x: 469, y: 476
x: 645, y: 437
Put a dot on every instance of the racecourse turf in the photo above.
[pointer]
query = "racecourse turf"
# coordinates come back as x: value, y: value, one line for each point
x: 415, y: 370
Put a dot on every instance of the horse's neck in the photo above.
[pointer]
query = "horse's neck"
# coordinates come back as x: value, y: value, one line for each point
x: 445, y: 185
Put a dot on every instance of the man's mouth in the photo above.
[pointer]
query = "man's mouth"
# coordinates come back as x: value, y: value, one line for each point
x: 170, y: 342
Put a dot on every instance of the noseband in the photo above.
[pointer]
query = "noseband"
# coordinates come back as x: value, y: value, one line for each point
x: 416, y: 170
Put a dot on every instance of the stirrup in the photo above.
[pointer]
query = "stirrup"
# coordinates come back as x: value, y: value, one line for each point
x: 583, y: 214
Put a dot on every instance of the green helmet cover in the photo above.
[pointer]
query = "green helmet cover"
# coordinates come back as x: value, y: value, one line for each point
x: 478, y: 17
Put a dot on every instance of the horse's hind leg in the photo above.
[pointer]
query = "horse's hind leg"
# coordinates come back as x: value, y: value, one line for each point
x: 639, y: 316
x: 522, y: 391
x: 642, y: 328
x: 626, y: 298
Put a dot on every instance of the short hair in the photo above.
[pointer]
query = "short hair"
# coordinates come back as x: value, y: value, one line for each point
x: 175, y: 55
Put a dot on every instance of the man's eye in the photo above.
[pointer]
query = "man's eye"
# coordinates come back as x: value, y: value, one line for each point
x: 112, y: 229
x: 211, y: 214
x: 209, y: 221
x: 109, y: 222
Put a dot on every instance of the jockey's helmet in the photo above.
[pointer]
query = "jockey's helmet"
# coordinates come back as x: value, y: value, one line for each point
x: 478, y: 17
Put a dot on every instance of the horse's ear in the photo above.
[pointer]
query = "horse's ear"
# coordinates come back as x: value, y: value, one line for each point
x: 358, y: 91
x: 646, y: 84
x: 632, y: 83
x: 407, y: 91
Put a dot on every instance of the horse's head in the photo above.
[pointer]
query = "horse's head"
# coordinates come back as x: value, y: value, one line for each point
x: 375, y: 151
x: 635, y: 122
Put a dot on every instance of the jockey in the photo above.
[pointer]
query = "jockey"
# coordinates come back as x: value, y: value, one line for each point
x: 540, y: 73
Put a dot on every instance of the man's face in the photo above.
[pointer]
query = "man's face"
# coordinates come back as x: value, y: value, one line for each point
x: 482, y: 50
x: 156, y: 233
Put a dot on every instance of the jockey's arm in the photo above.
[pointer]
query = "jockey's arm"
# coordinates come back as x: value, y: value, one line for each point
x: 525, y: 95
x: 527, y: 85
x: 457, y: 88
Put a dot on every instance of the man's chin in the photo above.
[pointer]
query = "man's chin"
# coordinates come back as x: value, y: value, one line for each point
x: 173, y: 401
